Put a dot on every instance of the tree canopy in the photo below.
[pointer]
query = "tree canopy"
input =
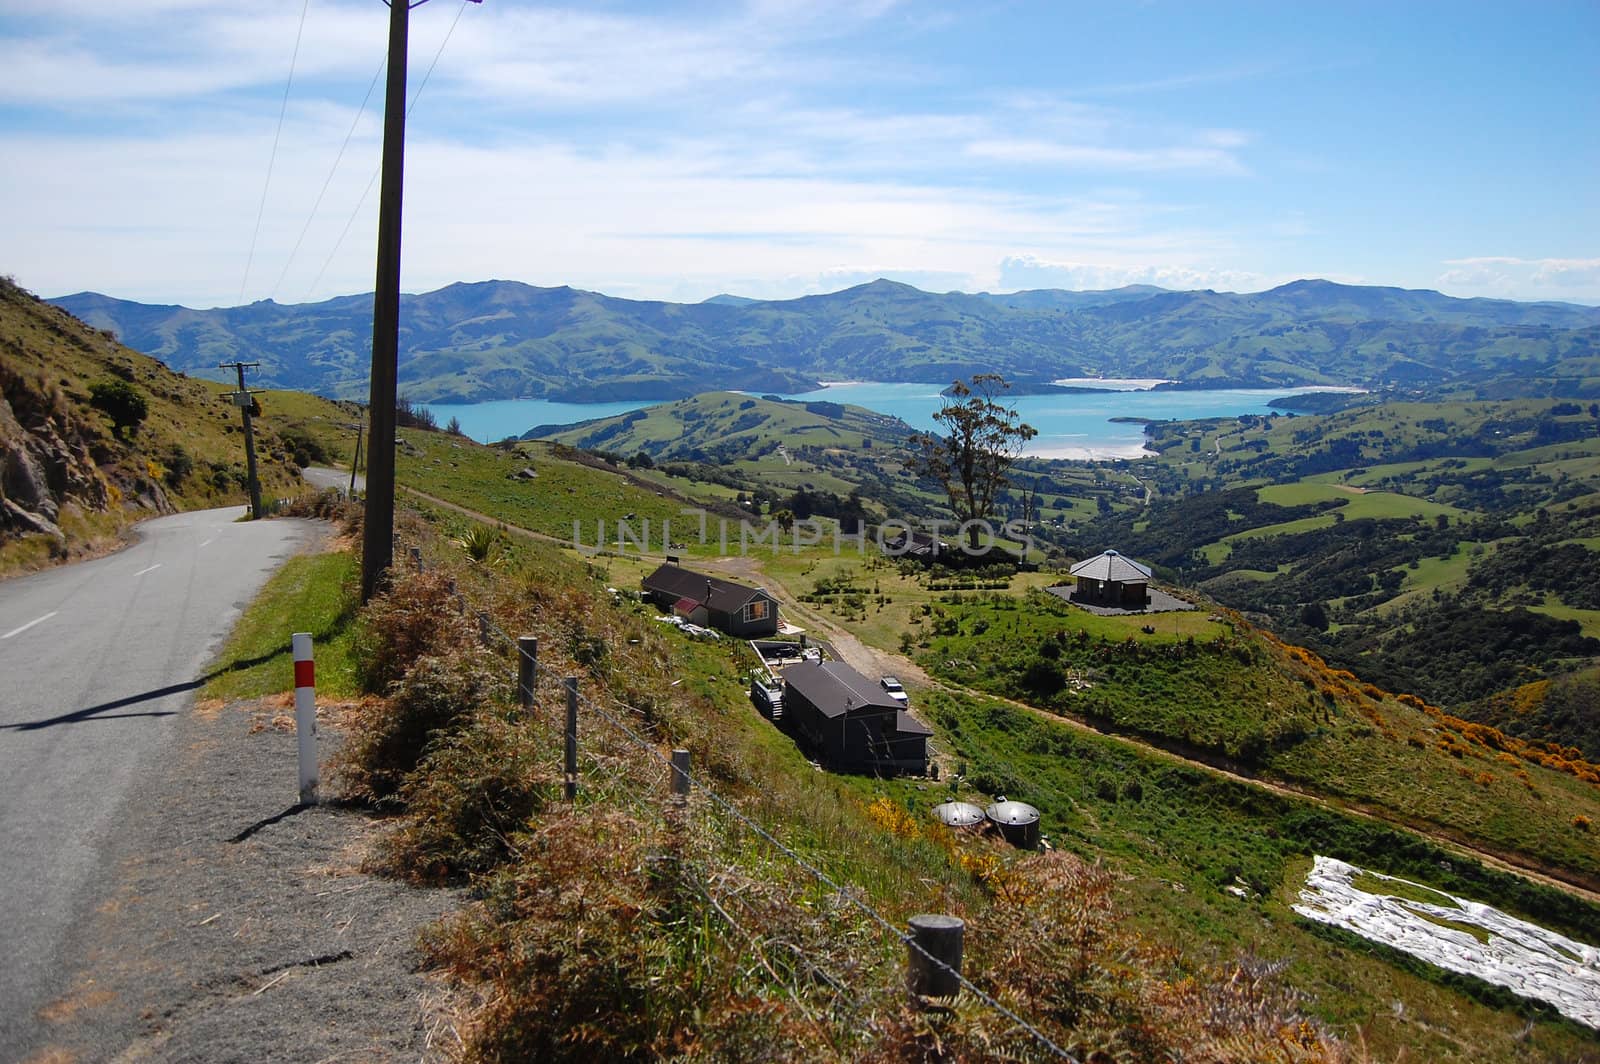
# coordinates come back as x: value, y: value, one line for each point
x: 982, y: 437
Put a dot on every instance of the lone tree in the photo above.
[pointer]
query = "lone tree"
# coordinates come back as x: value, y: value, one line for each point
x: 981, y: 438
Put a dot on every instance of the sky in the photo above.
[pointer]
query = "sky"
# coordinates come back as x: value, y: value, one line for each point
x: 161, y: 151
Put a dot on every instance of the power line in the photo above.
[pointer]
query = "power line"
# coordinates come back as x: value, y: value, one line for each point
x: 337, y: 244
x: 272, y: 159
x: 355, y: 122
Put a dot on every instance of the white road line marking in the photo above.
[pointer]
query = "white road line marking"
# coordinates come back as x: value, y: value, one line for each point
x: 151, y: 569
x: 208, y: 542
x: 30, y: 624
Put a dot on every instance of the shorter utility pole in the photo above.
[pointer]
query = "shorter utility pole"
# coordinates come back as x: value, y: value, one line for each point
x: 246, y: 404
x: 355, y: 463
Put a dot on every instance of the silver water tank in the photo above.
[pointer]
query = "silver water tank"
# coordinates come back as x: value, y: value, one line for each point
x: 958, y: 814
x: 1017, y: 821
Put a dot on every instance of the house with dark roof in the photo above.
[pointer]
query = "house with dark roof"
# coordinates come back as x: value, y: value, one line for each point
x: 1109, y: 579
x: 919, y: 546
x: 851, y: 723
x: 746, y: 612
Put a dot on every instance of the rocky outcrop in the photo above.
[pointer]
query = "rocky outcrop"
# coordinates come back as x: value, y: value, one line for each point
x: 45, y: 461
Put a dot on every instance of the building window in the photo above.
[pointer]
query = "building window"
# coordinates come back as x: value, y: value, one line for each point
x: 757, y: 610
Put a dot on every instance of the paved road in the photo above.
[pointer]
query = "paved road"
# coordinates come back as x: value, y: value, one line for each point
x: 96, y: 659
x: 325, y: 477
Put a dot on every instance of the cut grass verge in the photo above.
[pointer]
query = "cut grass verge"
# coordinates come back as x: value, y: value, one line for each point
x: 312, y: 593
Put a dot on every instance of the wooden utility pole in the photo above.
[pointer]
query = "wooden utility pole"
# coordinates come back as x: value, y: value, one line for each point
x: 377, y: 542
x: 246, y: 404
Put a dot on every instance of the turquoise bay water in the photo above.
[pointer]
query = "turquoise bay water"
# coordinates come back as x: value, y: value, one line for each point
x: 1075, y: 425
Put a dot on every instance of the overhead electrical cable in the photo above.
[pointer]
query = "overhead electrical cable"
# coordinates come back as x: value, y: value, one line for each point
x: 354, y: 123
x: 374, y: 179
x: 272, y: 159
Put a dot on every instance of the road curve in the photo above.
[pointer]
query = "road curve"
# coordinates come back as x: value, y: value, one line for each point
x: 327, y: 477
x: 96, y: 659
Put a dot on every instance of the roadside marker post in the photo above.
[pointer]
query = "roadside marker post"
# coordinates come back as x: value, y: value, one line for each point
x: 305, y: 715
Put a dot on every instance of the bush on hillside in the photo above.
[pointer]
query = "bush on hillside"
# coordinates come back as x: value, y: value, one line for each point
x: 435, y: 697
x: 124, y: 404
x: 602, y: 942
x: 473, y: 792
x: 416, y: 617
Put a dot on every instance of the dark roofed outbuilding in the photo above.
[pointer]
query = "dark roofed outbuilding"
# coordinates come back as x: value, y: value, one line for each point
x: 747, y: 612
x: 851, y: 722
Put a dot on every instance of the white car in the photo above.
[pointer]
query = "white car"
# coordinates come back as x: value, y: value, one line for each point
x: 895, y: 690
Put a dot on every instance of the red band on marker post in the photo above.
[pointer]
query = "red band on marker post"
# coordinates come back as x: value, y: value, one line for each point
x: 305, y: 674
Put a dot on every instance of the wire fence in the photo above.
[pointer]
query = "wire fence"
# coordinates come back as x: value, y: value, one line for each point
x: 612, y: 760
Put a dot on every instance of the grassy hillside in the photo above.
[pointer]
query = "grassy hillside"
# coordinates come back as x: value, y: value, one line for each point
x: 94, y: 475
x: 1239, y: 695
x: 1202, y: 866
x: 726, y: 427
x: 1445, y: 549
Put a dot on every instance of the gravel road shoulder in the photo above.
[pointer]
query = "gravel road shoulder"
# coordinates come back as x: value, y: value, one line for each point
x: 241, y: 928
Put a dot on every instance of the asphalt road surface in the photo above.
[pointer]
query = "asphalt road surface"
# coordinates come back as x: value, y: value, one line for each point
x: 96, y: 661
x: 325, y: 477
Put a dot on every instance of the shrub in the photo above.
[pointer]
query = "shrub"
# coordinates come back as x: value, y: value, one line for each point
x: 391, y: 737
x: 480, y: 542
x: 178, y: 465
x: 415, y: 617
x: 475, y: 790
x: 600, y: 949
x: 305, y: 448
x: 124, y: 404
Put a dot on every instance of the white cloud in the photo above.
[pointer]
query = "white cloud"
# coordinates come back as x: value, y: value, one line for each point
x: 1507, y: 277
x: 1024, y: 272
x: 1101, y: 157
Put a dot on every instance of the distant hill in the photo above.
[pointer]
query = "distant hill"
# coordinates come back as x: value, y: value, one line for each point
x: 726, y: 300
x: 504, y: 339
x: 728, y: 427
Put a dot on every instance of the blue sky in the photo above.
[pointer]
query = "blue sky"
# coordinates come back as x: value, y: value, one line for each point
x: 777, y: 148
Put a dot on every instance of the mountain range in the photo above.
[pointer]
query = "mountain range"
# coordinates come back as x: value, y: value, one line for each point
x: 470, y: 342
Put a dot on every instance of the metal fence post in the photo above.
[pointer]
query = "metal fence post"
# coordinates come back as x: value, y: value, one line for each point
x: 571, y: 764
x: 416, y: 557
x: 527, y: 668
x: 934, y: 956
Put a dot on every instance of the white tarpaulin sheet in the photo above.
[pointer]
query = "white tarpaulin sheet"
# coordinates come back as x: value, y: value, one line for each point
x: 1520, y: 956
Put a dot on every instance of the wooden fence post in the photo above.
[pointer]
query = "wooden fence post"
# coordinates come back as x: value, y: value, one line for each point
x: 416, y: 558
x: 680, y: 776
x: 934, y: 956
x: 571, y: 764
x: 483, y: 627
x: 527, y: 668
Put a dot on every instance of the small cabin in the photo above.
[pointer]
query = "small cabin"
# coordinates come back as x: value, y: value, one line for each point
x: 918, y: 546
x: 746, y: 612
x: 851, y: 723
x: 1109, y: 579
